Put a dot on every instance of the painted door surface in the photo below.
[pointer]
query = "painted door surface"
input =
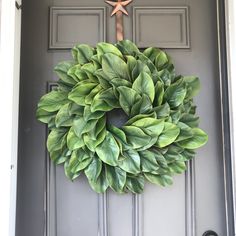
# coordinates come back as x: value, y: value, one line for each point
x: 50, y: 205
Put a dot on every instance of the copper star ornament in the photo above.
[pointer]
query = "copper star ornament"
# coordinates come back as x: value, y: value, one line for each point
x: 119, y: 10
x: 119, y: 6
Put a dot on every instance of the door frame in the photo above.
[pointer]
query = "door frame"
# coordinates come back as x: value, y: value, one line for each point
x: 9, y: 99
x: 10, y: 35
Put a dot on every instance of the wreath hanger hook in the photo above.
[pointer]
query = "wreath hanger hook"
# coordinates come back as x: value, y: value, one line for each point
x: 119, y: 10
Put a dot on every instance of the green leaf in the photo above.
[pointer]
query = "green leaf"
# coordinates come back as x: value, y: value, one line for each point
x: 135, y: 183
x: 73, y: 141
x: 177, y: 167
x: 109, y: 97
x: 79, y: 93
x: 127, y: 47
x: 131, y: 162
x: 80, y: 160
x: 116, y: 82
x: 59, y: 156
x: 190, y: 120
x: 72, y: 73
x: 152, y: 53
x: 199, y: 139
x: 148, y: 161
x: 163, y: 180
x: 152, y: 125
x: 162, y: 111
x: 89, y: 98
x: 99, y: 104
x: 140, y: 116
x: 136, y: 137
x: 108, y: 150
x: 116, y: 178
x: 144, y: 105
x: 104, y: 48
x: 126, y: 102
x: 114, y: 67
x: 89, y: 115
x: 139, y: 68
x: 101, y: 184
x: 117, y: 133
x: 68, y: 172
x: 53, y: 101
x: 45, y: 116
x: 80, y: 126
x: 62, y: 72
x: 63, y: 117
x: 161, y: 60
x: 56, y: 139
x: 193, y: 86
x: 144, y: 85
x: 185, y: 132
x: 83, y: 53
x: 131, y: 63
x: 159, y: 93
x: 176, y: 93
x: 93, y: 170
x: 169, y: 135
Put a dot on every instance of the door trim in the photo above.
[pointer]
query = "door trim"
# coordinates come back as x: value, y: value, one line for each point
x: 227, y: 36
x: 10, y: 30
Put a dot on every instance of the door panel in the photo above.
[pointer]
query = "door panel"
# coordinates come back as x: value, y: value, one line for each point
x: 47, y: 201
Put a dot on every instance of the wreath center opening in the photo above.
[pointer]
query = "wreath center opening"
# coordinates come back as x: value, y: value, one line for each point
x: 117, y: 117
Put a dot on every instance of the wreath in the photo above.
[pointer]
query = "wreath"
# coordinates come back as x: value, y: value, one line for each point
x: 121, y: 116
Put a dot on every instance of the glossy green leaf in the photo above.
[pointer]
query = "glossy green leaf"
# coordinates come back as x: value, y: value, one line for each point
x: 193, y: 86
x: 79, y: 93
x: 116, y: 178
x: 114, y: 67
x: 101, y: 184
x: 131, y: 162
x: 45, y: 116
x: 127, y: 47
x: 56, y: 139
x: 152, y: 125
x: 176, y: 93
x: 163, y: 180
x: 94, y: 169
x: 53, y: 101
x: 148, y: 161
x: 103, y: 48
x: 73, y: 141
x: 80, y: 126
x: 162, y: 111
x: 144, y: 85
x: 62, y: 72
x: 135, y: 183
x: 63, y: 117
x: 199, y: 139
x: 159, y: 94
x: 126, y: 102
x: 108, y: 150
x: 144, y: 105
x: 169, y: 135
x: 136, y: 137
x: 83, y: 53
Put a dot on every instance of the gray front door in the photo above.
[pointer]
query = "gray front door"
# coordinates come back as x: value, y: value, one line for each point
x: 50, y: 205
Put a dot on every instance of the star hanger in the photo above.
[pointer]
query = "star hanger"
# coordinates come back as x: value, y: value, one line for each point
x: 119, y: 6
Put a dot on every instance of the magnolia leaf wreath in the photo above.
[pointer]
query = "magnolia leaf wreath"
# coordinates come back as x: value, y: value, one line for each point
x: 160, y: 130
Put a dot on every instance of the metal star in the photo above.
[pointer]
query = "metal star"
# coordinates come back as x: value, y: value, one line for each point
x: 119, y: 6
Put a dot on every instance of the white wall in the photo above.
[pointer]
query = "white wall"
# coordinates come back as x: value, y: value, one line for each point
x: 9, y: 84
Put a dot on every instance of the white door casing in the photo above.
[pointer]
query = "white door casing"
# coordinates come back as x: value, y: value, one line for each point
x: 10, y: 31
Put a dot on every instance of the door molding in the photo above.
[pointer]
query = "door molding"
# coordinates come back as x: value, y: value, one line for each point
x: 227, y: 60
